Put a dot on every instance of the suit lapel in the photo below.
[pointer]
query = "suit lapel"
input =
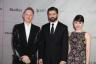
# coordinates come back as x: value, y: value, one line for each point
x: 24, y: 33
x: 48, y: 29
x: 30, y: 34
x: 57, y: 29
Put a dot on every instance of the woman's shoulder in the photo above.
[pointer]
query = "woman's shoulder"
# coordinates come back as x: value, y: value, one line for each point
x: 87, y: 34
x: 71, y: 33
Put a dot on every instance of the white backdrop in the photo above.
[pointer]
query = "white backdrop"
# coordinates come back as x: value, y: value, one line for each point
x: 11, y: 11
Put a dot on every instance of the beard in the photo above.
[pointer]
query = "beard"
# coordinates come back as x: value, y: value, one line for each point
x: 52, y: 19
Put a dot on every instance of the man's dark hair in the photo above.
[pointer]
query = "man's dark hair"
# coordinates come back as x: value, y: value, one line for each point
x: 52, y: 9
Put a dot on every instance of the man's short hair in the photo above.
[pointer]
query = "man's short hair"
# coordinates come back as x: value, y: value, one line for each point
x: 52, y: 9
x: 29, y: 8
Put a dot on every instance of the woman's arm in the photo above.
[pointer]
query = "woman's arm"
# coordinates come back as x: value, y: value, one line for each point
x: 88, y: 46
x: 69, y: 43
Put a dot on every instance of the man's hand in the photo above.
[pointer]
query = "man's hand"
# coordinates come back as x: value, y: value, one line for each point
x: 40, y: 61
x: 25, y: 59
x: 62, y: 62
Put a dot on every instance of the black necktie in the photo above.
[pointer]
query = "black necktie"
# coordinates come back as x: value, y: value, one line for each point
x: 52, y: 29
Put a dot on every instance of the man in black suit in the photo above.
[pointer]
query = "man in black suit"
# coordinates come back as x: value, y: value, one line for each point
x: 53, y: 40
x: 24, y: 39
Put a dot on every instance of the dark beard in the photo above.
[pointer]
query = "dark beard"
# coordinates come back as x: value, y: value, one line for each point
x: 52, y: 19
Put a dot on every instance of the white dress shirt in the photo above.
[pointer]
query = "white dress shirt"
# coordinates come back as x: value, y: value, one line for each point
x: 55, y: 24
x: 27, y: 29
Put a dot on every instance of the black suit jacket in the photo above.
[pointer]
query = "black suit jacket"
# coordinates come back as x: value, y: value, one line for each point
x: 53, y: 49
x: 20, y: 43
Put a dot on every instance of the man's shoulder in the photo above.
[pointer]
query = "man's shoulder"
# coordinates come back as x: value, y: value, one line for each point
x: 35, y: 26
x: 18, y: 25
x: 46, y: 25
x: 62, y: 24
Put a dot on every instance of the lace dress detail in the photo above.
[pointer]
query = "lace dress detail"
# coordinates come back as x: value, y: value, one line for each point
x: 77, y: 54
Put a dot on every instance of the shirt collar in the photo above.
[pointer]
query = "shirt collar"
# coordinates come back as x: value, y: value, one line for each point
x: 28, y: 25
x: 55, y: 23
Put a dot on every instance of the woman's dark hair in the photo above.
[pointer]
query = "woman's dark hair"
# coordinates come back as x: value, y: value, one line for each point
x: 79, y: 18
x: 52, y: 9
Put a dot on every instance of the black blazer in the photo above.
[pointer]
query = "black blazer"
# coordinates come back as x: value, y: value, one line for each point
x: 53, y: 48
x: 20, y: 43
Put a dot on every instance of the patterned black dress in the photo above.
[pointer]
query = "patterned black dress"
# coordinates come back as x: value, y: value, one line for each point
x: 77, y: 54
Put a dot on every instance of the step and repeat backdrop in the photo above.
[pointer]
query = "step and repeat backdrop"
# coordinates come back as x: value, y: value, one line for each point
x: 11, y: 14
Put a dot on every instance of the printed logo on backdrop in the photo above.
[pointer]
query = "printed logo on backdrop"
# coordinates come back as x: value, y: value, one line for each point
x: 0, y: 9
x: 40, y: 10
x: 51, y: 1
x: 15, y: 9
x: 44, y: 10
x: 7, y: 32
